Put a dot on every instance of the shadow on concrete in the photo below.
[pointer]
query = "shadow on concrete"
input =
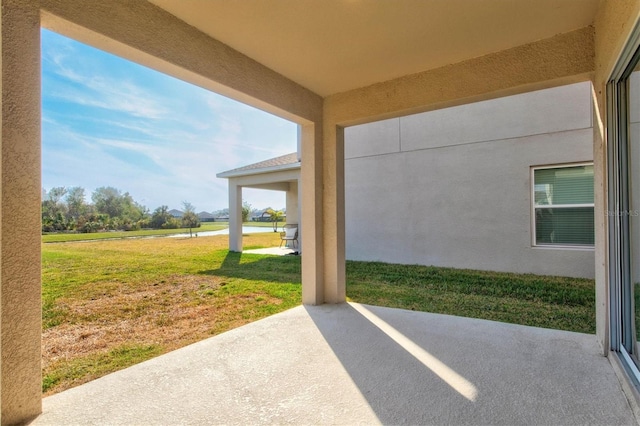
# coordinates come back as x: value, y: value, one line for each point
x: 397, y: 386
x: 420, y: 368
x: 283, y: 269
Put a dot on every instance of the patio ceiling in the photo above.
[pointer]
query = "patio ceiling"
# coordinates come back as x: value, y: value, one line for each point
x: 333, y: 46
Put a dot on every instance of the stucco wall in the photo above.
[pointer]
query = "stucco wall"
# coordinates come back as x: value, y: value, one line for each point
x: 452, y: 187
x: 20, y: 191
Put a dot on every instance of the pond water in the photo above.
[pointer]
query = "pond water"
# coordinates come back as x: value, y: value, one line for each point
x: 245, y: 230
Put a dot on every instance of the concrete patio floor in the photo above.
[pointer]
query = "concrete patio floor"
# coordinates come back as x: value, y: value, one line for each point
x: 277, y: 251
x: 358, y: 364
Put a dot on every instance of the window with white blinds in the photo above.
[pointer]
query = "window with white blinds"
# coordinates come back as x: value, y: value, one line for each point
x: 563, y: 205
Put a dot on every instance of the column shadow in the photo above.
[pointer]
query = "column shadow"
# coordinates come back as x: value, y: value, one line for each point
x: 282, y: 269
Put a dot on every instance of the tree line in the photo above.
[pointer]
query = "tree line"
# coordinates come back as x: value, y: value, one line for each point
x: 66, y: 209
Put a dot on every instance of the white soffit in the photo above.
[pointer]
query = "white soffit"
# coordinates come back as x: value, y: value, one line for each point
x: 331, y: 46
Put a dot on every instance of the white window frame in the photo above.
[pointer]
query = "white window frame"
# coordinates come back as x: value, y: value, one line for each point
x: 532, y: 185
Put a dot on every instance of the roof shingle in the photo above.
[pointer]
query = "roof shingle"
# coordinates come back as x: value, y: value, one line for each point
x: 283, y: 160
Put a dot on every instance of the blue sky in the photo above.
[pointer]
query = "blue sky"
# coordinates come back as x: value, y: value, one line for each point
x: 110, y: 122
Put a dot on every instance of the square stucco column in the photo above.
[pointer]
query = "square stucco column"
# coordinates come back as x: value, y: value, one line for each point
x: 333, y: 212
x: 235, y: 216
x: 20, y: 272
x: 292, y: 209
x: 311, y: 214
x: 601, y: 234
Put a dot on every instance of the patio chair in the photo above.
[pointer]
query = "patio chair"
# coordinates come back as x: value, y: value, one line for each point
x: 289, y: 233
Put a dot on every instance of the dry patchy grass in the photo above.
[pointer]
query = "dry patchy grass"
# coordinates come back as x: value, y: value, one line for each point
x: 110, y: 304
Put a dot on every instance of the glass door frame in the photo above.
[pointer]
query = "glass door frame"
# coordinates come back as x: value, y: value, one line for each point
x: 621, y: 303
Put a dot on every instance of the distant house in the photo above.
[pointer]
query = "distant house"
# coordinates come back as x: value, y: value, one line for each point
x: 176, y: 213
x: 206, y: 217
x: 275, y: 174
x: 261, y: 216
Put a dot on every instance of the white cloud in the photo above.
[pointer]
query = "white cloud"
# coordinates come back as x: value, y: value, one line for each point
x: 161, y: 140
x: 112, y: 95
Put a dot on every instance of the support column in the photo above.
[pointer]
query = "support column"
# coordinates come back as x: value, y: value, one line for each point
x: 235, y: 216
x: 20, y: 193
x: 311, y: 214
x: 601, y: 231
x: 333, y: 212
x: 300, y: 226
x: 292, y: 209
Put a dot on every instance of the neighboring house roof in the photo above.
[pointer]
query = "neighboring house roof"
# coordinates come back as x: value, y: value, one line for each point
x: 176, y: 213
x: 205, y: 215
x: 284, y: 162
x: 260, y: 213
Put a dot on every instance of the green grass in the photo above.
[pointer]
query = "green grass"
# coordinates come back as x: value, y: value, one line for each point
x: 206, y: 226
x: 260, y: 224
x: 540, y: 301
x: 67, y: 237
x: 96, y: 365
x: 110, y: 304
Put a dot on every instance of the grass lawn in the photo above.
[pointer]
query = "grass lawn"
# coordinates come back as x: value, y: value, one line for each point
x: 260, y: 224
x: 64, y: 237
x: 110, y: 304
x: 206, y: 226
x: 539, y: 301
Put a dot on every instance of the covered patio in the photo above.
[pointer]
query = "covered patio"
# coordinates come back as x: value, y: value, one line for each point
x: 359, y: 364
x: 327, y: 66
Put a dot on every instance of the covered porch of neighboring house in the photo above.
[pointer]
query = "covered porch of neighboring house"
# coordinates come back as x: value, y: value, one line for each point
x: 275, y: 174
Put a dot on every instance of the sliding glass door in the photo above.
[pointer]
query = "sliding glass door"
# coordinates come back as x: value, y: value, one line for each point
x: 624, y: 208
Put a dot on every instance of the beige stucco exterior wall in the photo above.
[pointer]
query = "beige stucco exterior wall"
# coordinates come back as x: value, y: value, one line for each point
x: 20, y: 309
x: 613, y: 25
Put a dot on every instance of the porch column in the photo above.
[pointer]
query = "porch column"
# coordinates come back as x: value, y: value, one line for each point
x: 235, y: 216
x: 300, y: 226
x: 20, y: 271
x: 334, y: 223
x: 292, y: 208
x: 311, y: 214
x: 322, y: 181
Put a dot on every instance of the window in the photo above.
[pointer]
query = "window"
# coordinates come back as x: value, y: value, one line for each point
x: 563, y: 205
